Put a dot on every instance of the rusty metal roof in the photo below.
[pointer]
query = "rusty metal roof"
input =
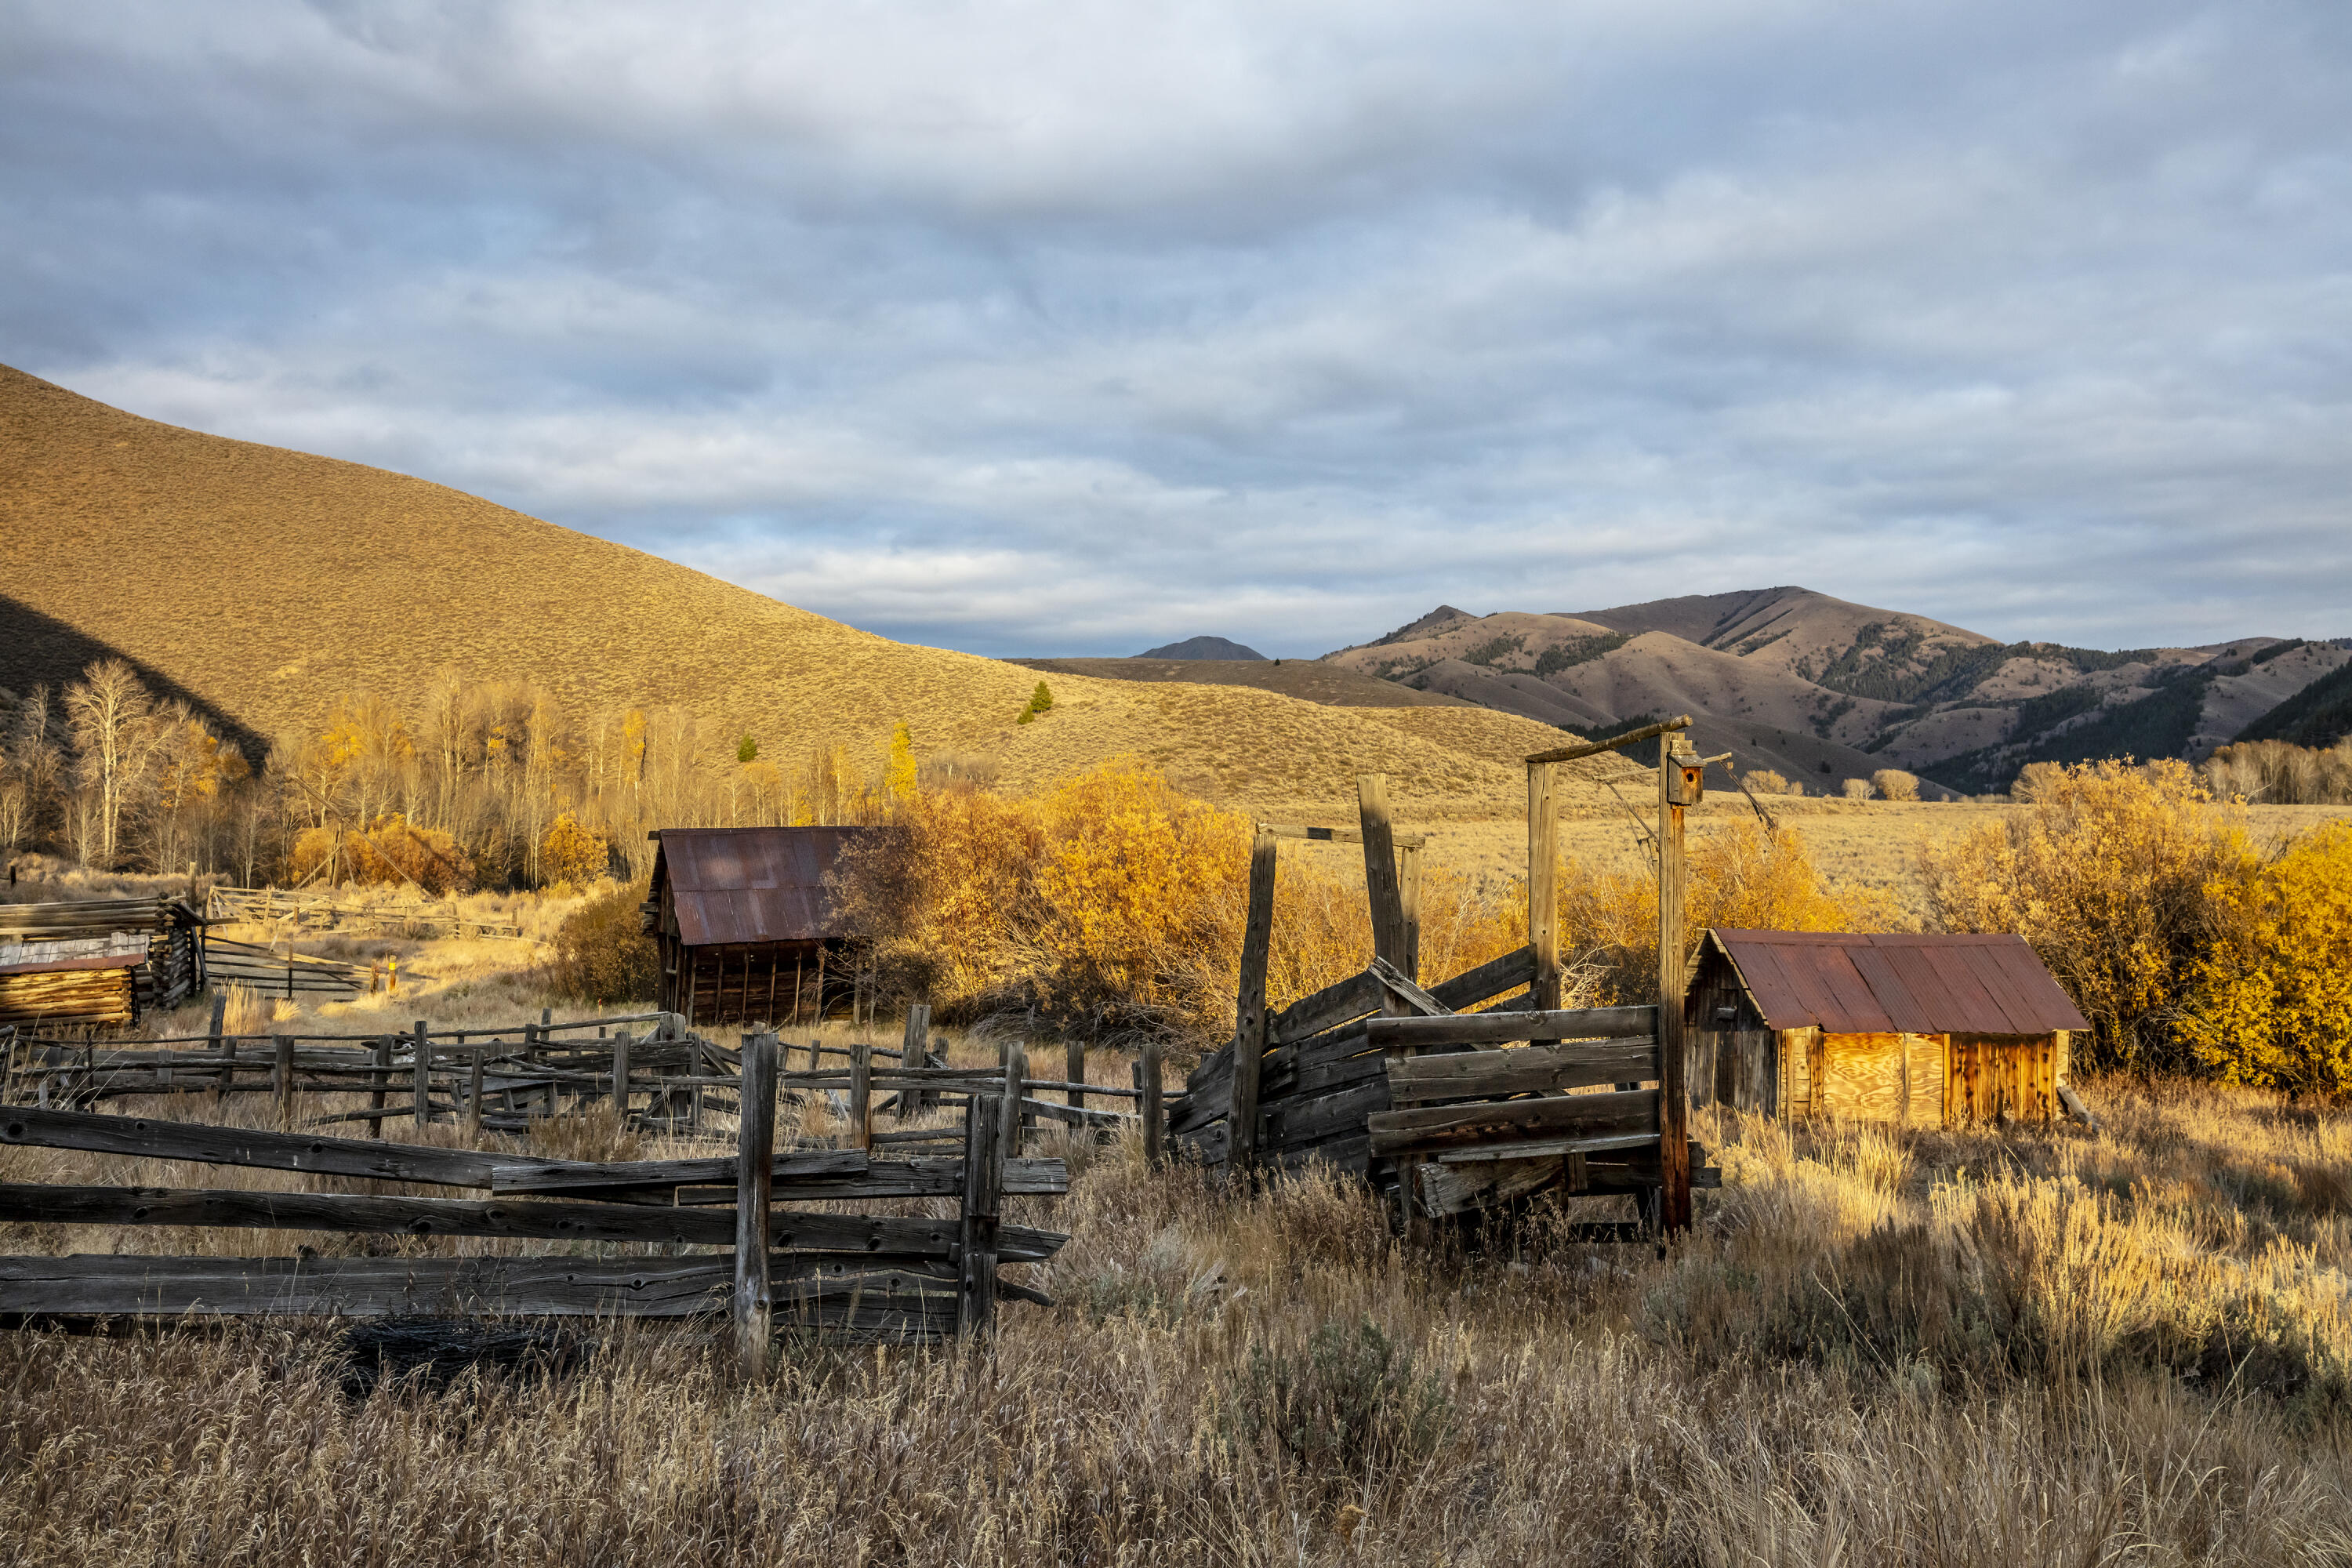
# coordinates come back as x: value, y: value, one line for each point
x: 749, y: 884
x: 1871, y: 983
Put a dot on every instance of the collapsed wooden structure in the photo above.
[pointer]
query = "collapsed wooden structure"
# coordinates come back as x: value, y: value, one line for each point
x: 745, y: 923
x: 1368, y: 1075
x: 99, y: 962
x: 1918, y: 1030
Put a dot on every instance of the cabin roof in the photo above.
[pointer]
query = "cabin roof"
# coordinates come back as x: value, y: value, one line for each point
x: 735, y: 885
x: 1850, y: 982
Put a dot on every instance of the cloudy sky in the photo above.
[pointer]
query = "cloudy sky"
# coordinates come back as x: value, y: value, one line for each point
x: 1071, y: 328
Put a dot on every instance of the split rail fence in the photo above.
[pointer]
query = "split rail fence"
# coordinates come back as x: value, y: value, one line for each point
x: 866, y: 1277
x: 312, y: 912
x: 500, y: 1079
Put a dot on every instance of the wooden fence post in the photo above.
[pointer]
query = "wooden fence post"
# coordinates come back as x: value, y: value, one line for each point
x: 1543, y: 886
x: 216, y: 1040
x: 621, y: 1076
x: 1074, y: 1057
x: 983, y: 1182
x: 1674, y: 1094
x: 1155, y: 1122
x: 421, y: 1089
x: 1016, y: 1087
x: 755, y: 1146
x: 281, y: 1078
x: 1380, y: 868
x: 1249, y: 1010
x: 1409, y: 888
x: 911, y: 1041
x: 861, y: 1094
x: 382, y: 1080
x: 474, y: 1092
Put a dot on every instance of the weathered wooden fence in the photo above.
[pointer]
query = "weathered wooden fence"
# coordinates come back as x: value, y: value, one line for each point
x: 863, y: 1277
x: 1335, y: 1077
x: 316, y: 912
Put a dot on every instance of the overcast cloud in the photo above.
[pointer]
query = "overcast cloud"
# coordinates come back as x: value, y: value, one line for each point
x: 1071, y: 328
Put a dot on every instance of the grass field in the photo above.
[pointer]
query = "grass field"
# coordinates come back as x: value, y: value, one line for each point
x: 1948, y: 1348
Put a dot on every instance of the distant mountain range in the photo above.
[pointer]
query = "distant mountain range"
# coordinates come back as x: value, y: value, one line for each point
x: 1821, y: 690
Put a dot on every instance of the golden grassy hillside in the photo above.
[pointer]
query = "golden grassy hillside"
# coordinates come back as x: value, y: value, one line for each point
x: 263, y: 582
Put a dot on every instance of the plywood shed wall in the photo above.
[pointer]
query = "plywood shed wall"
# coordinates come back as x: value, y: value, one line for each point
x: 1912, y: 1030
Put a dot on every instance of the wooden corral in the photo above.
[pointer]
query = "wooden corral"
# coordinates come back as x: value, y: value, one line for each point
x: 103, y: 962
x: 1913, y: 1030
x: 1370, y: 1074
x: 746, y: 925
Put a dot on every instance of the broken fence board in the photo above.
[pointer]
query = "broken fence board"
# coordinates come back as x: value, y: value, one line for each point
x: 1430, y: 1129
x: 1484, y: 1074
x: 1503, y: 1028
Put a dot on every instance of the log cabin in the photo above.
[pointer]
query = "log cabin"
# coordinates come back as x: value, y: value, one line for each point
x: 1914, y: 1030
x: 746, y: 925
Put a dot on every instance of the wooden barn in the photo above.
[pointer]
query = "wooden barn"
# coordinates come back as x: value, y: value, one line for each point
x: 97, y: 960
x: 1924, y: 1030
x: 745, y: 924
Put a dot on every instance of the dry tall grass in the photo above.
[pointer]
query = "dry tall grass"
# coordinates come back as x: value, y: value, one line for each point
x: 1949, y: 1349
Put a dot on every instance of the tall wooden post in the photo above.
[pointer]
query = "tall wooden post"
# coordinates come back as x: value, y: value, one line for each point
x: 1543, y: 884
x: 861, y: 1094
x: 474, y: 1091
x: 1674, y: 1094
x: 911, y: 1041
x: 1073, y: 1065
x: 221, y: 1045
x: 379, y: 1081
x: 976, y: 1233
x: 1155, y: 1120
x: 621, y: 1043
x: 281, y: 1078
x: 755, y: 1156
x: 1249, y: 1010
x: 1380, y: 868
x: 421, y: 1078
x: 1409, y: 879
x: 1016, y: 1082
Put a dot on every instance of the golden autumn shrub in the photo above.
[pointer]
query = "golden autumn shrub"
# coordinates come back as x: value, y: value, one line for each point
x: 2273, y: 1002
x: 601, y: 953
x: 393, y: 850
x: 2124, y: 879
x: 570, y: 853
x: 1115, y: 903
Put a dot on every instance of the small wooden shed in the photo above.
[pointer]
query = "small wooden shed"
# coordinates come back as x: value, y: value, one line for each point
x: 1924, y: 1030
x: 745, y: 923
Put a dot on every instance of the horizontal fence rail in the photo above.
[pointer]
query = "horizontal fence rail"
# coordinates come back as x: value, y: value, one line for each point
x: 866, y: 1277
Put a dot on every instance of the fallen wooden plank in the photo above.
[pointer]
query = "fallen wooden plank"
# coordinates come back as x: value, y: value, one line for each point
x: 1534, y: 1148
x: 243, y: 1208
x: 1503, y: 1028
x: 1405, y: 989
x: 1511, y: 971
x: 1349, y: 998
x: 1079, y: 1115
x: 1290, y: 1122
x: 1485, y: 1074
x: 1430, y: 1129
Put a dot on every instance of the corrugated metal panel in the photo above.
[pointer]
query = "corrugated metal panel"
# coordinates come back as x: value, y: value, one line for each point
x: 1851, y: 982
x: 750, y: 884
